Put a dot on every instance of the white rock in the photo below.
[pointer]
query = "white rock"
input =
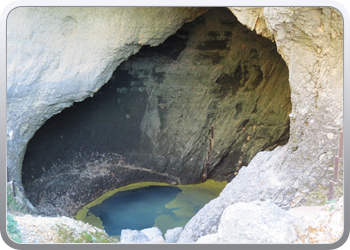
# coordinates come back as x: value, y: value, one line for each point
x: 210, y: 238
x: 172, y: 235
x: 154, y: 234
x: 330, y: 136
x: 256, y: 222
x: 132, y: 236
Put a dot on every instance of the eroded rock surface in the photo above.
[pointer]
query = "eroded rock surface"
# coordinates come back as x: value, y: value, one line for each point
x: 156, y: 112
x: 264, y: 222
x: 255, y: 222
x: 57, y: 56
x: 310, y: 40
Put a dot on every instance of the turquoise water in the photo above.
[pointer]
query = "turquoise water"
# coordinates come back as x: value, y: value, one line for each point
x: 148, y: 204
x: 135, y: 209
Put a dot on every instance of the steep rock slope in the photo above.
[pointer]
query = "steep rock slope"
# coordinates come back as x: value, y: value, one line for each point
x: 311, y: 42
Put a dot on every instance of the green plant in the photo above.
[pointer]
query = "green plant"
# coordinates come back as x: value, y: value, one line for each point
x: 12, y: 230
x: 332, y: 207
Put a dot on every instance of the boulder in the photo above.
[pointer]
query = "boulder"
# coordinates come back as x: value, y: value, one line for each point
x: 133, y: 236
x: 210, y: 238
x: 154, y: 235
x: 172, y: 235
x: 256, y: 222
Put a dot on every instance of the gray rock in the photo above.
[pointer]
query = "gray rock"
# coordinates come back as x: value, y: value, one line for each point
x: 133, y: 236
x: 172, y: 235
x: 258, y: 181
x: 210, y: 238
x: 57, y: 56
x: 297, y: 173
x: 256, y: 222
x: 170, y: 138
x: 49, y: 69
x: 154, y: 235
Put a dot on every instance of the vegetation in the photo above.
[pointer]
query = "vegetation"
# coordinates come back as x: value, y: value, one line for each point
x: 68, y: 235
x: 12, y: 229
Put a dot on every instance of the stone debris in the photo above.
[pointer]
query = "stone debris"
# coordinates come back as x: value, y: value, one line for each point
x: 154, y: 234
x: 210, y: 238
x: 147, y: 235
x: 133, y: 236
x: 172, y: 235
x: 326, y: 226
x: 254, y: 222
x: 265, y: 222
x: 39, y: 229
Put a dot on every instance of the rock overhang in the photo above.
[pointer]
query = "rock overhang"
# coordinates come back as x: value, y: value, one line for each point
x: 308, y: 125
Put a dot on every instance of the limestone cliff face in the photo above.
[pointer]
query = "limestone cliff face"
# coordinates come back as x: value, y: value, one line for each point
x: 57, y: 56
x: 311, y: 42
x: 156, y: 112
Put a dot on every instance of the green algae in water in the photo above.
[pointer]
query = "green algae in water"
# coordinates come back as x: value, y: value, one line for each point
x: 147, y: 204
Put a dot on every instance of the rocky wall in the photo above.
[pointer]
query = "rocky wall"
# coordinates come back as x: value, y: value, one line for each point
x: 156, y: 113
x: 58, y: 56
x: 310, y: 40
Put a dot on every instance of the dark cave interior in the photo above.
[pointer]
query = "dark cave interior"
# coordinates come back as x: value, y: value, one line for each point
x: 158, y: 106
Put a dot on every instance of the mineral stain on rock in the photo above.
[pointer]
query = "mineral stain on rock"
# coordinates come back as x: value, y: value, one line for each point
x: 156, y: 111
x: 218, y: 72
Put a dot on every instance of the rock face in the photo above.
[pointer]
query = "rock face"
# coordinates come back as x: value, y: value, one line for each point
x: 299, y: 172
x: 316, y: 82
x: 156, y: 111
x: 264, y: 222
x: 57, y: 56
x: 254, y: 222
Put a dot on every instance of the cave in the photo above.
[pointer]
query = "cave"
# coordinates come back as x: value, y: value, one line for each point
x: 153, y: 120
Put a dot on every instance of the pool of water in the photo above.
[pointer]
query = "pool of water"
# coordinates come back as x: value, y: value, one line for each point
x: 149, y: 204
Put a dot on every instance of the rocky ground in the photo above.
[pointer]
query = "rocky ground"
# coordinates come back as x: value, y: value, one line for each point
x: 324, y: 226
x: 37, y: 229
x: 312, y: 225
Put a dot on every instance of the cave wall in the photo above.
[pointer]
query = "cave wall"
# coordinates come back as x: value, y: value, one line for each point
x: 310, y: 41
x: 60, y: 55
x: 156, y: 111
x: 225, y: 76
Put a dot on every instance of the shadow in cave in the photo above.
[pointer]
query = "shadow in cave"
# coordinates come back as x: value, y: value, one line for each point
x: 151, y: 121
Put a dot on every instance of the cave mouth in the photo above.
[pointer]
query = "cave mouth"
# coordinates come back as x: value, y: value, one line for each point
x: 152, y: 121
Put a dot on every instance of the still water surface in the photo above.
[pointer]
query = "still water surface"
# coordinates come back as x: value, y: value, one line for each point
x: 145, y: 205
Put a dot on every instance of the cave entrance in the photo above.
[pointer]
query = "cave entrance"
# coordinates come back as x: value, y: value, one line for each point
x: 152, y: 120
